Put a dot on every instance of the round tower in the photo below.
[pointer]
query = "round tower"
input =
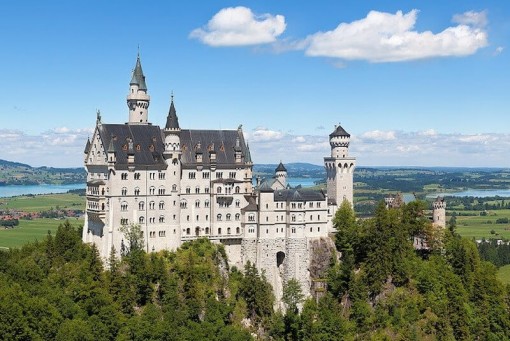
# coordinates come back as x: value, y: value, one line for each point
x: 439, y: 212
x: 138, y: 100
x: 339, y: 168
x: 281, y: 174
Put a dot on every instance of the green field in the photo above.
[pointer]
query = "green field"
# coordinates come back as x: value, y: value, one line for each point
x: 44, y: 202
x: 31, y: 230
x: 504, y: 274
x: 479, y: 227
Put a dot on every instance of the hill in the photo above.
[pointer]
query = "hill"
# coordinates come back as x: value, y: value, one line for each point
x: 15, y: 173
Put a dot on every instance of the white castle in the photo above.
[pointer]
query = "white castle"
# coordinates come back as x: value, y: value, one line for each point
x: 180, y: 185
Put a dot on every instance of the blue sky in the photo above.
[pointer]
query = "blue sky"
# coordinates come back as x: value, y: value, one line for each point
x: 416, y: 83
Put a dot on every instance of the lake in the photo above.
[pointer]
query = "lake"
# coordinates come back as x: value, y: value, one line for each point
x: 15, y: 190
x: 480, y: 193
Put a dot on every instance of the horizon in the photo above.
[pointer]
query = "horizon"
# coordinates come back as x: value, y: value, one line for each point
x: 415, y: 84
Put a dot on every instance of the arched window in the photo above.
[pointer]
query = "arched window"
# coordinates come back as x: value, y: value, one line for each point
x: 188, y: 231
x: 174, y: 188
x: 218, y: 190
x: 197, y: 203
x: 137, y: 191
x: 124, y: 191
x: 228, y: 216
x: 218, y: 217
x: 206, y: 203
x: 161, y: 219
x: 161, y: 205
x: 152, y: 190
x: 197, y: 231
x: 124, y: 206
x: 197, y: 189
x: 141, y: 205
x: 184, y: 203
x: 188, y: 190
x: 206, y: 230
x: 238, y: 216
x: 152, y: 205
x: 238, y: 189
x: 219, y: 230
x: 238, y: 203
x: 228, y: 230
x: 238, y: 230
x: 161, y: 190
x: 141, y: 220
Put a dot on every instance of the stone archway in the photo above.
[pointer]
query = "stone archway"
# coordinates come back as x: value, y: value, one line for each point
x: 280, y: 258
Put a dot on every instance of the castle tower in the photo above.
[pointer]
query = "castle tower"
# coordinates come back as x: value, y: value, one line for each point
x: 281, y: 174
x: 339, y: 168
x: 439, y: 212
x: 137, y: 99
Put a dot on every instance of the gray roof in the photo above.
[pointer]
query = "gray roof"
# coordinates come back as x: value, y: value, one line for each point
x: 145, y: 140
x: 339, y: 131
x: 138, y: 77
x: 280, y: 168
x: 172, y: 122
x: 87, y: 146
x: 298, y: 195
x: 221, y: 142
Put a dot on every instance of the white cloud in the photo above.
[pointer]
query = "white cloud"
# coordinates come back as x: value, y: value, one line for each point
x: 299, y: 139
x: 471, y: 18
x: 429, y: 132
x: 378, y: 135
x: 386, y: 37
x: 264, y: 134
x: 60, y: 147
x: 238, y: 26
x: 498, y: 50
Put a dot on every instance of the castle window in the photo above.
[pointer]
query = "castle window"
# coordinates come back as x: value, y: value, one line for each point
x: 197, y: 203
x: 219, y: 175
x: 161, y: 190
x: 123, y: 206
x: 293, y: 218
x: 123, y: 221
x: 311, y: 218
x: 267, y: 206
x: 300, y: 205
x: 319, y: 204
x: 238, y: 203
x: 162, y: 233
x: 184, y: 203
x: 293, y: 230
x: 218, y: 217
x: 161, y: 177
x: 310, y: 229
x: 267, y: 219
x: 141, y: 205
x: 318, y: 229
x: 197, y: 190
x: 205, y: 175
x: 206, y: 230
x: 218, y: 190
x: 152, y: 234
x: 318, y: 217
x: 141, y: 220
x: 174, y: 188
x: 251, y: 217
x: 310, y: 204
x: 238, y: 230
x: 174, y: 217
x: 206, y: 203
x: 161, y: 205
x: 188, y: 190
x: 219, y: 230
x: 152, y: 190
x: 206, y: 217
x: 228, y: 230
x: 197, y: 218
x: 124, y: 191
x: 188, y: 231
x: 137, y: 191
x: 123, y: 176
x: 152, y: 220
x: 137, y: 176
x: 191, y: 175
x: 161, y: 219
x: 206, y: 190
x: 293, y: 205
x: 228, y: 216
x: 187, y: 218
x: 152, y: 204
x: 152, y: 176
x: 238, y: 217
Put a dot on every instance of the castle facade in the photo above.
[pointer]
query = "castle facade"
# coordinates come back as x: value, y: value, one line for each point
x: 181, y: 184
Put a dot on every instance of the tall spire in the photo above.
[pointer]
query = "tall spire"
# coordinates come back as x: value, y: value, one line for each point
x: 138, y: 77
x: 172, y: 121
x: 138, y: 100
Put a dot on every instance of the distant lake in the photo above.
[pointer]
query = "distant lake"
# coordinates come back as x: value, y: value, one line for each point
x: 15, y: 190
x: 480, y: 193
x: 304, y: 182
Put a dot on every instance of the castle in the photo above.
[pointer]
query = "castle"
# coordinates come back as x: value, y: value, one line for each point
x: 181, y: 184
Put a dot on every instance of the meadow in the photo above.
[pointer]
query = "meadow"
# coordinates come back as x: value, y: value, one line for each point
x: 32, y: 230
x: 37, y: 229
x: 43, y: 202
x: 479, y: 227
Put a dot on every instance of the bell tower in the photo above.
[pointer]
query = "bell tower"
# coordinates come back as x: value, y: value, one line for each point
x: 339, y: 168
x: 137, y: 99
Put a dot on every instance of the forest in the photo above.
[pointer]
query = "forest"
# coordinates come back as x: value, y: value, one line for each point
x: 378, y: 288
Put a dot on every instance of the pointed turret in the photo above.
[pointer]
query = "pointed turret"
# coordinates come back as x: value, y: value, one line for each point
x: 112, y: 153
x: 87, y: 146
x: 281, y: 174
x: 172, y: 121
x: 247, y: 157
x: 137, y: 99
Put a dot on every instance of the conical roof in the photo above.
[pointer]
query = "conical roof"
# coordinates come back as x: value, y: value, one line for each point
x: 111, y: 147
x: 280, y: 168
x: 87, y: 146
x: 247, y: 157
x: 138, y: 77
x: 172, y: 122
x: 339, y: 131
